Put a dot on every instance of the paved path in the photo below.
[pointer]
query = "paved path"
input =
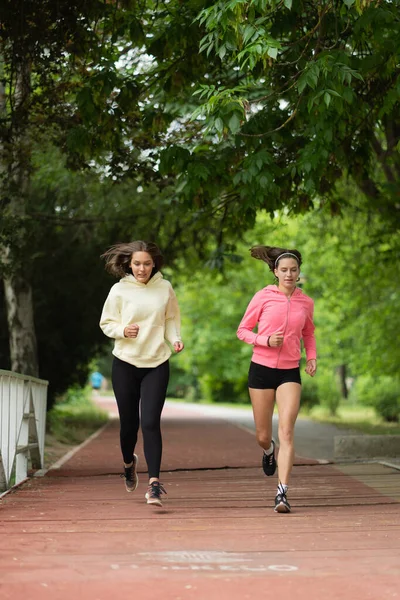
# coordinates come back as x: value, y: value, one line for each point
x: 314, y: 440
x: 77, y: 533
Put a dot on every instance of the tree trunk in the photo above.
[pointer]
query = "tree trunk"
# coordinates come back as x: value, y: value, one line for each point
x: 15, y: 168
x: 341, y: 372
x: 21, y: 328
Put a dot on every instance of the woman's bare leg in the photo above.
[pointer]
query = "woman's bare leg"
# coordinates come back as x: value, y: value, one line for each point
x: 263, y: 402
x: 288, y: 402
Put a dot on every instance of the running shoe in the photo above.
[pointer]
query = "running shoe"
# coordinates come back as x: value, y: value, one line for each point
x: 130, y: 475
x: 153, y: 494
x: 281, y: 503
x: 269, y: 461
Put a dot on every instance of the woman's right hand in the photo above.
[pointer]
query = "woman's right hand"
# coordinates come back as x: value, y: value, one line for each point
x: 276, y: 339
x: 131, y: 331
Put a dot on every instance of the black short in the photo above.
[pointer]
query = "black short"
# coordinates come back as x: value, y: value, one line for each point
x: 266, y: 378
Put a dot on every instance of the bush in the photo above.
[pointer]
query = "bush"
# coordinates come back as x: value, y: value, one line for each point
x: 215, y: 389
x: 182, y: 384
x: 382, y: 392
x: 328, y: 391
x: 309, y: 393
x: 74, y: 416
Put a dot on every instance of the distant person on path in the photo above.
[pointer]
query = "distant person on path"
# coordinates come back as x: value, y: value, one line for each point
x: 284, y: 316
x: 96, y: 379
x: 141, y: 312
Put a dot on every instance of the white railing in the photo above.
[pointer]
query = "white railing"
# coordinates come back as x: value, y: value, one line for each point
x: 23, y: 401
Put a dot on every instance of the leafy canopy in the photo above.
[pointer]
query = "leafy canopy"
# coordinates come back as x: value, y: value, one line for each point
x: 316, y: 95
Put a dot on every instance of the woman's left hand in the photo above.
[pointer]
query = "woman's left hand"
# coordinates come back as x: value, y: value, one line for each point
x: 178, y: 346
x: 311, y: 367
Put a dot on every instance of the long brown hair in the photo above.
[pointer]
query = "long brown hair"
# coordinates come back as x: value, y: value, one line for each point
x: 118, y: 257
x: 271, y: 254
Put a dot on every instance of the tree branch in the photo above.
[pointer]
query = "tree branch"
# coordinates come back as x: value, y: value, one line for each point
x: 292, y: 116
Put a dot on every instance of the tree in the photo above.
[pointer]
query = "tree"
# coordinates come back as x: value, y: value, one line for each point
x: 316, y: 97
x: 71, y: 218
x: 76, y: 76
x: 348, y: 269
x: 298, y: 95
x: 63, y: 83
x: 350, y: 274
x: 33, y: 44
x: 213, y: 304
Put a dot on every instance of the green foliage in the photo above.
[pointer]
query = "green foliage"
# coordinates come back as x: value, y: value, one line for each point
x: 312, y: 91
x: 181, y: 122
x: 309, y: 393
x: 71, y: 219
x: 74, y: 417
x: 212, y: 305
x: 356, y: 417
x: 349, y: 274
x: 213, y: 354
x: 182, y: 384
x: 382, y: 392
x: 316, y: 86
x: 216, y: 389
x: 143, y: 88
x: 328, y: 391
x: 347, y: 269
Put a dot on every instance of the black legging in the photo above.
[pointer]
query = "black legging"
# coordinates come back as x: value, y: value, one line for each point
x: 147, y: 387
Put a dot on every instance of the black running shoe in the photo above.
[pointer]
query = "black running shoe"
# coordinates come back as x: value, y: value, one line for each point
x: 269, y: 461
x: 153, y: 494
x: 281, y: 503
x: 130, y: 475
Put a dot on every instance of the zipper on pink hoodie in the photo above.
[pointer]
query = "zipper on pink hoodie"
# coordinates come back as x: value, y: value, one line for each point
x: 272, y: 311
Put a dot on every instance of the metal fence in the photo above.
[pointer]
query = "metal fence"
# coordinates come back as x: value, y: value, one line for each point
x: 23, y: 401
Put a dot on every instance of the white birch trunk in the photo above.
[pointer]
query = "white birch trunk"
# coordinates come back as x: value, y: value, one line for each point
x: 22, y: 336
x: 14, y: 166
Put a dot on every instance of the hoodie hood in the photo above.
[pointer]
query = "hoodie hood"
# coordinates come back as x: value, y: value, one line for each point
x: 131, y: 279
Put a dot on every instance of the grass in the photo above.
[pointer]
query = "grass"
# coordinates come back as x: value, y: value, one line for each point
x: 357, y: 417
x: 72, y: 419
x: 75, y: 424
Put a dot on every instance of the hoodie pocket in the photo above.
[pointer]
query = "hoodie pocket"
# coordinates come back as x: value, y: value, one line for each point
x: 149, y: 343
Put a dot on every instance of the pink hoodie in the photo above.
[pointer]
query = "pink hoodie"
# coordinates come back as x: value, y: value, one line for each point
x: 273, y: 311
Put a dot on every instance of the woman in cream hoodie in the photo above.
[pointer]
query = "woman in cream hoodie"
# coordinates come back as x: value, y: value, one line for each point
x: 141, y: 314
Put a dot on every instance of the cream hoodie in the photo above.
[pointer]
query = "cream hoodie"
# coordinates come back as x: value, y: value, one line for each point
x: 154, y: 307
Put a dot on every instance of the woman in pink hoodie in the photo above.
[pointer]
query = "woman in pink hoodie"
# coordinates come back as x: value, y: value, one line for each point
x: 283, y: 315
